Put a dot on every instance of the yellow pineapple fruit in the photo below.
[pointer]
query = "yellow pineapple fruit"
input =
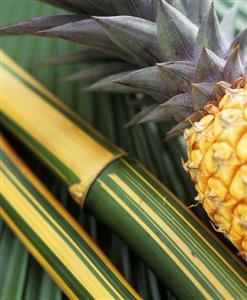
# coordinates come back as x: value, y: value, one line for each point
x: 217, y: 163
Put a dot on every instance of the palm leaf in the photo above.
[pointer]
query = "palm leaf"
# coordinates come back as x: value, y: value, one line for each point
x: 143, y: 212
x: 157, y: 158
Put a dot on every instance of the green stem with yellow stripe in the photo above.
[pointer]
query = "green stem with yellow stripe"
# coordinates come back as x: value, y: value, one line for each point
x: 176, y: 245
x: 119, y: 192
x: 54, y: 238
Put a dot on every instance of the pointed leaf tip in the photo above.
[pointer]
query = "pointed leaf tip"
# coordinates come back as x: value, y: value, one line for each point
x: 233, y: 68
x: 176, y: 33
x: 87, y: 32
x: 38, y: 24
x: 209, y: 66
x: 180, y: 106
x: 145, y: 80
x: 156, y: 114
x: 209, y: 33
x: 177, y: 75
x: 108, y: 85
x: 137, y: 37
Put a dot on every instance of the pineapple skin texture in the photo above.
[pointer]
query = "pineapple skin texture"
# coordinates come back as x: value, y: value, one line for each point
x: 217, y: 163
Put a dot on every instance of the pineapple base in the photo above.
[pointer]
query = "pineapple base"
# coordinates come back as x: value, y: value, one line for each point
x: 217, y: 163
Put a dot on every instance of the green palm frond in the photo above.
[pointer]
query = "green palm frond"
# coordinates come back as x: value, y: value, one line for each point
x: 138, y: 141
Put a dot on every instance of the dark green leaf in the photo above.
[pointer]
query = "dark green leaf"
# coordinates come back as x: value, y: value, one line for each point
x: 145, y: 80
x: 176, y: 33
x: 37, y: 24
x: 209, y: 33
x: 135, y: 36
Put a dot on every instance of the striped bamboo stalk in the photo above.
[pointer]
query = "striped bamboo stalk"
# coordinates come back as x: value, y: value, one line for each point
x: 54, y: 238
x: 122, y: 194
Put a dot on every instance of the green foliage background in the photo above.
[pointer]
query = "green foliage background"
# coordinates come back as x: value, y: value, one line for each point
x: 20, y: 276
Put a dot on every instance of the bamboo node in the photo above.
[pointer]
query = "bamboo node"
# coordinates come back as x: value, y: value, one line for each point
x: 77, y: 192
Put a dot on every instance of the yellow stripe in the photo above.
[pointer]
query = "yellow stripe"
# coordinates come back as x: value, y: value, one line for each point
x: 69, y: 219
x: 56, y: 244
x: 184, y: 249
x: 155, y: 238
x: 54, y: 275
x: 38, y: 86
x: 71, y: 146
x: 187, y: 222
x: 25, y: 191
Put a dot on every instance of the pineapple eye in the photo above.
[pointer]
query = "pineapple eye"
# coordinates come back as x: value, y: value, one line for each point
x: 229, y: 116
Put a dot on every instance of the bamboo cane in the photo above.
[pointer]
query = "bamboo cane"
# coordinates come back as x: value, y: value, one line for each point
x: 171, y: 240
x: 53, y: 237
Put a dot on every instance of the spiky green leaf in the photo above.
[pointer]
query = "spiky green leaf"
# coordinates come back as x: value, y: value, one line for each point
x: 157, y: 114
x: 37, y: 24
x: 108, y: 85
x: 233, y: 68
x: 209, y: 33
x: 209, y: 66
x: 137, y: 37
x: 177, y: 75
x: 87, y: 32
x: 176, y: 33
x: 179, y: 106
x: 146, y: 80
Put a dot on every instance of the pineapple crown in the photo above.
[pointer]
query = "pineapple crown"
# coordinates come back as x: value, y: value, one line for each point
x: 174, y: 53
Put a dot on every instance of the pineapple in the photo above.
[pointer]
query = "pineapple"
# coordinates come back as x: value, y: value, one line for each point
x: 217, y: 163
x: 186, y: 68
